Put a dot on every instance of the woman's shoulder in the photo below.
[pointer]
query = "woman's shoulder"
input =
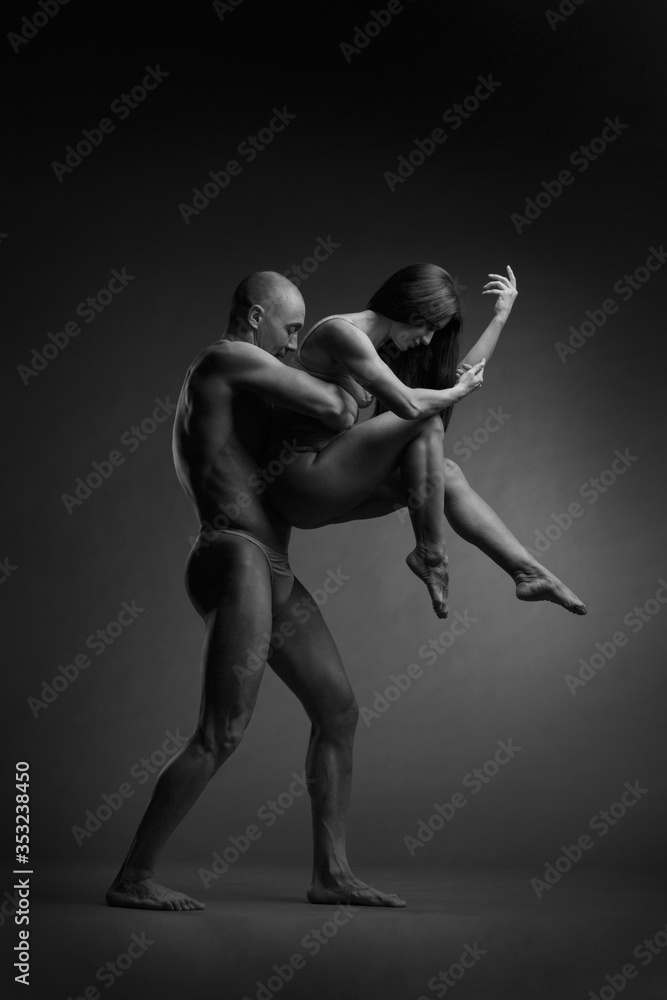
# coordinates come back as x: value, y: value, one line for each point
x: 329, y: 320
x: 321, y: 341
x: 335, y: 331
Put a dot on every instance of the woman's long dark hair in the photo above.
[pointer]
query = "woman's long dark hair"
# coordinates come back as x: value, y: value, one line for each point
x: 422, y: 294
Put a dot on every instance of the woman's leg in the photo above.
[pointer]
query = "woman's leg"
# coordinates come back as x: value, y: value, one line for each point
x: 318, y: 487
x: 476, y: 522
x: 422, y: 471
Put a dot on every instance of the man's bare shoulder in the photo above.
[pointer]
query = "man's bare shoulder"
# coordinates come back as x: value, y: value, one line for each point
x: 228, y: 360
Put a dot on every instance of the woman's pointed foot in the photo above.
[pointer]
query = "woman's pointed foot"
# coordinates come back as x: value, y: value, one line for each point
x: 538, y: 584
x: 430, y: 566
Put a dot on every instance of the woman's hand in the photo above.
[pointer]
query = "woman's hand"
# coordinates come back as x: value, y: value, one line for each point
x: 470, y: 377
x: 505, y: 291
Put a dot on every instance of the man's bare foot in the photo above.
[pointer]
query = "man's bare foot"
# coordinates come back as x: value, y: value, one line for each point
x: 352, y: 890
x: 149, y: 895
x: 431, y: 567
x: 538, y: 584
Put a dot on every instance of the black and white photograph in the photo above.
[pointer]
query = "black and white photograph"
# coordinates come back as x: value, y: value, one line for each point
x: 334, y: 561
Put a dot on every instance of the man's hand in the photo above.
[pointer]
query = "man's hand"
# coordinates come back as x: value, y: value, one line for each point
x: 505, y: 290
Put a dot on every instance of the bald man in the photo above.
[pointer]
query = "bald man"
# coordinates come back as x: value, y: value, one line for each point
x: 239, y: 579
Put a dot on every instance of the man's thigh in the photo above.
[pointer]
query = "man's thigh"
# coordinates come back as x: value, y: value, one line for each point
x: 234, y: 583
x: 308, y: 661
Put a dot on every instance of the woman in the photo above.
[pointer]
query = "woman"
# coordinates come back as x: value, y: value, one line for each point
x: 395, y: 458
x: 333, y: 473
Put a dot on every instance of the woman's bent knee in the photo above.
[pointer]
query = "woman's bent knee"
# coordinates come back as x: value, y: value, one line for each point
x: 433, y: 425
x: 432, y: 433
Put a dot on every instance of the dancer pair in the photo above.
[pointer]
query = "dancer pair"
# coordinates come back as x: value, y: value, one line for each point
x: 239, y: 407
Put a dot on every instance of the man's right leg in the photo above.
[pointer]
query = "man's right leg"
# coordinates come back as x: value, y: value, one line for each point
x: 310, y: 664
x: 230, y: 585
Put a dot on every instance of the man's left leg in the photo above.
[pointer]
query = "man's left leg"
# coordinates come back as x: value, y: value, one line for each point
x: 310, y: 665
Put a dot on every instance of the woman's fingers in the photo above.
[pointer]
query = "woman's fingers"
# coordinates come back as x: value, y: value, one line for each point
x: 509, y: 282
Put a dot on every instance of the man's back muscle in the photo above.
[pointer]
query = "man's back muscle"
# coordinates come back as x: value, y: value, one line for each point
x: 220, y: 436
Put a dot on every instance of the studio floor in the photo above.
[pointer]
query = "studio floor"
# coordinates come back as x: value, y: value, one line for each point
x: 485, y: 931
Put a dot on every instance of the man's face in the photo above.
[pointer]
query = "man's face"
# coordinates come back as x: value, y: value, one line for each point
x: 279, y: 324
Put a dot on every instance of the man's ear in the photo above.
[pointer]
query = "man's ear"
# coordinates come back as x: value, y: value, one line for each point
x: 255, y: 316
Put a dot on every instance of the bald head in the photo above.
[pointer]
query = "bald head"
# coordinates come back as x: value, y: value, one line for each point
x: 268, y: 309
x: 267, y: 289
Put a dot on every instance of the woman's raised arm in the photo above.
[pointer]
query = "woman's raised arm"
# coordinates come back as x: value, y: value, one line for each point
x: 505, y: 291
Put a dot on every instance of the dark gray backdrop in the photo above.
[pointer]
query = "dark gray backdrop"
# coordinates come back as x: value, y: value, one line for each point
x: 323, y: 177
